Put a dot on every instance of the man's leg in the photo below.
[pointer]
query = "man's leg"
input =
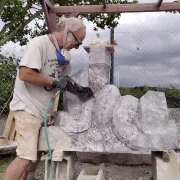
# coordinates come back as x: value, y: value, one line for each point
x: 27, y: 132
x: 30, y: 171
x: 32, y: 166
x: 16, y: 168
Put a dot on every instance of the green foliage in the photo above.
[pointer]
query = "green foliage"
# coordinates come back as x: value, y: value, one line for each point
x: 17, y: 14
x: 101, y: 20
x: 8, y: 70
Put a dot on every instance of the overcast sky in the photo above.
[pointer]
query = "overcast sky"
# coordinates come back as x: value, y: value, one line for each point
x: 148, y: 50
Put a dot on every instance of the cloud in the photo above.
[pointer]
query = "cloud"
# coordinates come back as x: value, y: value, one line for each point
x: 148, y: 49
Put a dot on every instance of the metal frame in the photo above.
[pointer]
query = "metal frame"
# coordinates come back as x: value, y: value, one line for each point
x: 51, y: 12
x: 50, y: 17
x: 159, y: 3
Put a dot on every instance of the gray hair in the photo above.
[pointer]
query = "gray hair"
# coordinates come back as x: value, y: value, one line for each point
x: 72, y: 23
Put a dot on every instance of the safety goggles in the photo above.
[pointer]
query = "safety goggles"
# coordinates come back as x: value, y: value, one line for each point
x: 78, y: 43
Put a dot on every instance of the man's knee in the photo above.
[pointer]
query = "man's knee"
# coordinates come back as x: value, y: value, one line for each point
x: 25, y: 162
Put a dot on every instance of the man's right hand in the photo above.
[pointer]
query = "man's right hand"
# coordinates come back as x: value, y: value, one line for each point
x: 61, y: 83
x: 68, y: 84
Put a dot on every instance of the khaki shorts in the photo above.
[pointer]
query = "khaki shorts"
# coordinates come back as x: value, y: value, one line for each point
x: 27, y: 134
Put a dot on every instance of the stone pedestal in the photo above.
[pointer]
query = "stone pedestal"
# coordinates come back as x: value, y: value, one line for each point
x: 166, y: 170
x: 63, y: 166
x: 92, y: 173
x: 99, y: 66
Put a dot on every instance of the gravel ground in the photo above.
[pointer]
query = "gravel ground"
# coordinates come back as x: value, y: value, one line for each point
x: 116, y: 172
x: 112, y: 172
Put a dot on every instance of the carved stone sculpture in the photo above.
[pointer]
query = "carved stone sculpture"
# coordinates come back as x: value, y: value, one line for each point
x: 111, y: 122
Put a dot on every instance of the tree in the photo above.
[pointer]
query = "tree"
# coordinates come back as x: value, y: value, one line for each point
x: 8, y: 71
x: 17, y: 14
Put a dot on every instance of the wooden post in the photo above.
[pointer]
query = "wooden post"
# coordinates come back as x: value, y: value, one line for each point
x: 9, y: 130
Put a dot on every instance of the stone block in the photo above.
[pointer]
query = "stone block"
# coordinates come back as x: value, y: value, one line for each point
x: 174, y: 113
x: 157, y: 139
x: 153, y: 110
x: 92, y: 173
x: 125, y: 118
x: 159, y: 132
x: 104, y: 105
x: 76, y: 123
x: 64, y: 170
x: 57, y: 139
x: 166, y: 170
x: 99, y: 55
x: 72, y: 103
x: 100, y: 58
x: 98, y: 76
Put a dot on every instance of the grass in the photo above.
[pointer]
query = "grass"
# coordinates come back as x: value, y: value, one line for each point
x: 5, y: 160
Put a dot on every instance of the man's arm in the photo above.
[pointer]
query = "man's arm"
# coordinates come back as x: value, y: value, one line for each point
x: 34, y: 77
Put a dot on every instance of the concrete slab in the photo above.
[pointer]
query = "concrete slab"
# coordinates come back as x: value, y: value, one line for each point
x: 64, y: 169
x: 166, y: 170
x: 92, y: 173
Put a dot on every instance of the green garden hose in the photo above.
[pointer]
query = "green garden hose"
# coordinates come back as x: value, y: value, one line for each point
x: 46, y: 133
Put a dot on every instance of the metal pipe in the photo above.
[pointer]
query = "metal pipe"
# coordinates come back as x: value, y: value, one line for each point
x: 159, y: 3
x: 49, y: 16
x: 104, y: 3
x: 112, y: 57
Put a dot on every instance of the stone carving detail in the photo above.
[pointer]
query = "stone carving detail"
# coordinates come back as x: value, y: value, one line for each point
x: 125, y: 118
x: 96, y: 40
x: 98, y: 76
x: 111, y: 122
x: 104, y: 106
x: 71, y: 124
x: 144, y: 124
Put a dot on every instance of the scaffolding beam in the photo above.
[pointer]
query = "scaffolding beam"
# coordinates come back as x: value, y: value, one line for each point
x: 48, y: 3
x: 115, y: 8
x: 49, y: 16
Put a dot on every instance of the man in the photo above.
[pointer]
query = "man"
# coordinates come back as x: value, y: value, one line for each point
x: 41, y: 67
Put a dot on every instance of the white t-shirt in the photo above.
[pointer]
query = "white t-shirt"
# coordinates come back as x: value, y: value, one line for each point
x: 40, y: 54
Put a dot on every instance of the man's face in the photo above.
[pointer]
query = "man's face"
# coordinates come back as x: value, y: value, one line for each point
x: 74, y: 39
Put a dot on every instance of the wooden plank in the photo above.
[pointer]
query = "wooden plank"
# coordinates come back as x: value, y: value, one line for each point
x: 56, y: 102
x: 9, y: 123
x: 52, y: 22
x: 12, y: 131
x: 54, y: 109
x: 3, y: 141
x: 115, y: 8
x: 109, y: 47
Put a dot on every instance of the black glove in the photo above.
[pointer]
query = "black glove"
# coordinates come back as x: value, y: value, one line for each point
x: 61, y: 83
x: 68, y: 84
x: 83, y: 92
